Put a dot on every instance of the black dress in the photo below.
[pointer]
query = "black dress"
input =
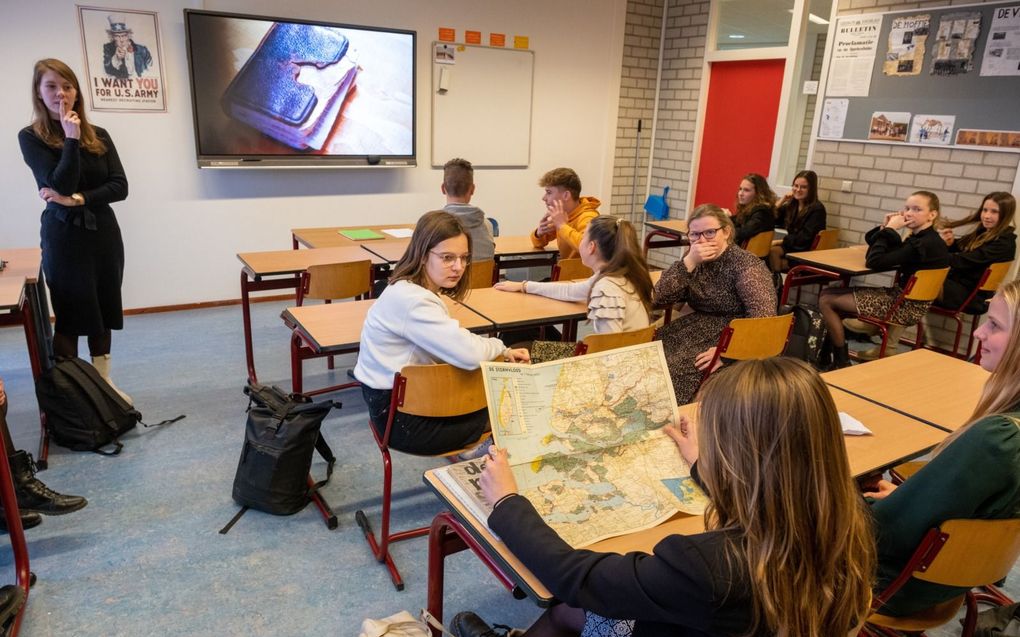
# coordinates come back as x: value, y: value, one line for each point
x: 760, y: 219
x: 800, y: 229
x: 967, y: 266
x: 82, y: 250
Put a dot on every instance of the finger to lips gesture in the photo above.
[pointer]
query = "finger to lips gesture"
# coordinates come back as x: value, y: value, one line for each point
x: 69, y: 121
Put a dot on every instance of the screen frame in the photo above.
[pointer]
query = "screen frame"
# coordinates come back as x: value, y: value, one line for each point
x: 298, y: 159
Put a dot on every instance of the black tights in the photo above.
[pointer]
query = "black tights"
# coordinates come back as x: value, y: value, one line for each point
x: 66, y: 346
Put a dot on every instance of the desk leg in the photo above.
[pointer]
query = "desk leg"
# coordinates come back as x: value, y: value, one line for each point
x: 296, y: 376
x: 249, y: 353
x: 33, y: 331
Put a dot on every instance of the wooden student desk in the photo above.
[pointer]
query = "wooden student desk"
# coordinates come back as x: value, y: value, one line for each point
x: 933, y: 388
x: 672, y: 231
x: 279, y: 270
x: 335, y: 328
x: 331, y: 238
x: 509, y: 310
x: 819, y: 267
x: 896, y: 438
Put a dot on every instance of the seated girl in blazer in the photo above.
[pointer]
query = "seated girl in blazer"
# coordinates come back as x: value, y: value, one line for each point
x: 619, y: 293
x: 410, y: 325
x: 992, y: 240
x: 756, y: 208
x: 803, y: 216
x: 788, y: 548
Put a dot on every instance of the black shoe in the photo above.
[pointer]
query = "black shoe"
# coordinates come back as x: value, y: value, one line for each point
x: 840, y: 356
x: 468, y: 624
x: 35, y: 496
x: 29, y: 519
x: 11, y: 600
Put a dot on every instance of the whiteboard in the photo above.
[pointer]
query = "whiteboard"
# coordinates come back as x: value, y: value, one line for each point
x: 484, y: 113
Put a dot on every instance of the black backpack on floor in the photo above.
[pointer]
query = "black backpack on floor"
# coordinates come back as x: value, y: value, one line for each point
x: 83, y: 412
x: 280, y: 435
x: 807, y: 336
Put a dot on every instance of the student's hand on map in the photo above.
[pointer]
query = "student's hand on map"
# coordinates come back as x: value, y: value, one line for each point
x: 882, y: 489
x: 702, y: 360
x: 510, y: 286
x: 497, y: 480
x: 685, y: 434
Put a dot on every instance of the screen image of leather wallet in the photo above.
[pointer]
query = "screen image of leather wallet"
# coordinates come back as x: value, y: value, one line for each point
x: 293, y: 86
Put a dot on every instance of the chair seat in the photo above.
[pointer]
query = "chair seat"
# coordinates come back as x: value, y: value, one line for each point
x: 928, y: 618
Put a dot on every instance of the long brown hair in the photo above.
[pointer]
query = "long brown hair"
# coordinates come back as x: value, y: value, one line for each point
x: 432, y: 229
x: 772, y: 456
x: 1002, y: 389
x: 617, y: 242
x: 976, y: 238
x: 763, y: 196
x: 48, y: 129
x: 796, y: 209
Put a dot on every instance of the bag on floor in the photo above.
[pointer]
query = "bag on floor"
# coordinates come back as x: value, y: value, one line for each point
x: 807, y: 336
x: 403, y: 624
x: 281, y: 433
x: 83, y: 412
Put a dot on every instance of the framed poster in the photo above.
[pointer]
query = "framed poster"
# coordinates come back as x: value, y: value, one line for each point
x: 123, y: 59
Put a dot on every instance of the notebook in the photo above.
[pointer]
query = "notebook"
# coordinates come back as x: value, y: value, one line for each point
x: 361, y: 234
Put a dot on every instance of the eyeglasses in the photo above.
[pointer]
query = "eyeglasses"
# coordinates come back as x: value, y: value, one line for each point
x: 449, y: 259
x: 708, y: 234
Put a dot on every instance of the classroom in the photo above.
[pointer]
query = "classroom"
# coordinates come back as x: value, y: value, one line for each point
x: 633, y: 95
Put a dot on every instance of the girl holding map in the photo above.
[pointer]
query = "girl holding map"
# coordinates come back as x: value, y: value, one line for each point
x: 788, y: 548
x: 619, y: 293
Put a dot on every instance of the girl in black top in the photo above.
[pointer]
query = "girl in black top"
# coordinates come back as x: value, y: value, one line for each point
x: 922, y: 249
x: 788, y: 548
x: 79, y: 174
x: 755, y: 210
x: 802, y: 215
x: 992, y: 240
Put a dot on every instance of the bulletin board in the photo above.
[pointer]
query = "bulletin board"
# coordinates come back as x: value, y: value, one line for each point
x: 481, y: 105
x: 943, y: 86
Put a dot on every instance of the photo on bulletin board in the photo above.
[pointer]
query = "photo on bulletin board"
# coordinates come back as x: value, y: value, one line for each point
x: 907, y: 38
x: 988, y: 138
x: 123, y: 59
x: 889, y: 127
x: 932, y: 129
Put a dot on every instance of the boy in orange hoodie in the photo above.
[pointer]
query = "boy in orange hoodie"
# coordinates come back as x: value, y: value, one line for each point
x: 567, y: 212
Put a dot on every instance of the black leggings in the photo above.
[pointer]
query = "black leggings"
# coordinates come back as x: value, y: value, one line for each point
x: 66, y: 345
x: 421, y: 435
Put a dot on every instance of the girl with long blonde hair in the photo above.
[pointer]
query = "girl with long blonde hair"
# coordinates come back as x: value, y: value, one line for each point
x: 788, y: 548
x: 975, y: 472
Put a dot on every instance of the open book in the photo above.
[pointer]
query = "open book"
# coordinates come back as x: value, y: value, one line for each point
x: 585, y: 442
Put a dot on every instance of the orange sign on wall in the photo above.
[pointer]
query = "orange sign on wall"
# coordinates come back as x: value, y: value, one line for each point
x: 473, y: 37
x: 497, y: 39
x: 447, y: 34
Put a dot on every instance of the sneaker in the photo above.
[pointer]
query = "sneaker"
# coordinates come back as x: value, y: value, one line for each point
x: 480, y: 451
x: 468, y: 624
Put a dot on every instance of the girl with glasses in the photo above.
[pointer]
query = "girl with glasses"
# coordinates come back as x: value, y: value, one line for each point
x: 410, y: 325
x: 718, y: 282
x: 802, y: 215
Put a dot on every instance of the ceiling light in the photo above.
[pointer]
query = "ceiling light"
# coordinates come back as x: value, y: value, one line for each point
x: 736, y: 36
x: 812, y: 18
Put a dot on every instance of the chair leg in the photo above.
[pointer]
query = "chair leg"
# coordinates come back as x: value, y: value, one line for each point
x: 296, y: 379
x: 885, y: 340
x: 970, y: 619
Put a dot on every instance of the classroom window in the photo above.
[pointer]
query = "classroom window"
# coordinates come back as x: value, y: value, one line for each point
x: 753, y: 24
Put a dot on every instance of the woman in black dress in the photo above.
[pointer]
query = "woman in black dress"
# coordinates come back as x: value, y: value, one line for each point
x: 79, y: 175
x: 802, y: 215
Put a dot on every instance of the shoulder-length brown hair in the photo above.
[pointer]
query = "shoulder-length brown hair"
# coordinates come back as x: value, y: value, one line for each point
x: 49, y: 129
x: 717, y: 213
x: 617, y: 242
x: 772, y: 456
x: 763, y: 196
x: 975, y: 238
x: 432, y: 229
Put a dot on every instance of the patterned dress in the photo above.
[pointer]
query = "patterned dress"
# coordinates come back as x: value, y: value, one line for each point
x: 736, y: 285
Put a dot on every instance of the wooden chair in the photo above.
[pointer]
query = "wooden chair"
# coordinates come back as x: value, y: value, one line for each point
x: 924, y: 286
x: 990, y: 281
x: 748, y: 338
x: 435, y: 391
x: 594, y: 343
x: 570, y: 270
x: 760, y: 244
x: 328, y: 282
x: 826, y: 239
x: 963, y: 553
x: 482, y: 273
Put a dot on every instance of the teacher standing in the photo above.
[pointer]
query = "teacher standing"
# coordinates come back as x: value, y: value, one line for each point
x: 79, y: 175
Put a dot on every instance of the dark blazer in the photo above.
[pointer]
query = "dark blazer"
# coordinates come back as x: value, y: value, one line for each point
x: 760, y: 219
x: 924, y: 250
x: 967, y: 266
x: 801, y: 229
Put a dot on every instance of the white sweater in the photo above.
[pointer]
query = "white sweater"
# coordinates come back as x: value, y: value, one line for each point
x: 409, y: 325
x: 614, y: 305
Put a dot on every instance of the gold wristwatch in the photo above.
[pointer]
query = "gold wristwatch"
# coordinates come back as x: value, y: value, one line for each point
x: 79, y: 200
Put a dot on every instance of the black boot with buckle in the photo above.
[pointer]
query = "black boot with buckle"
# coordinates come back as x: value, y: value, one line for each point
x: 33, y: 495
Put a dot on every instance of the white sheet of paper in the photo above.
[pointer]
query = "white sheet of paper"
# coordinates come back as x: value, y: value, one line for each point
x: 400, y: 233
x: 852, y: 426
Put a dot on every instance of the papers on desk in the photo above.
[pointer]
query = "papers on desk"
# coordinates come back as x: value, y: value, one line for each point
x: 462, y: 480
x: 852, y: 426
x: 360, y: 234
x: 400, y: 233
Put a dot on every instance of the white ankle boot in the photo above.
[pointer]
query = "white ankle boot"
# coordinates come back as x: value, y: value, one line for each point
x: 102, y: 365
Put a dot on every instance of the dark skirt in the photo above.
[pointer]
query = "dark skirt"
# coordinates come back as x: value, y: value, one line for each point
x: 84, y: 270
x: 420, y: 435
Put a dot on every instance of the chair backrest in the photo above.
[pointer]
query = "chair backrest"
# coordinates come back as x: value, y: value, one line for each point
x: 481, y: 274
x: 973, y: 552
x: 996, y: 275
x: 760, y: 244
x: 570, y: 269
x: 826, y: 239
x: 755, y: 337
x: 335, y: 281
x: 439, y: 391
x: 926, y: 285
x: 594, y: 343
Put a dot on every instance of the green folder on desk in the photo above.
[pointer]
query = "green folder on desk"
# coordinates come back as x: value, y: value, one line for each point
x: 361, y: 234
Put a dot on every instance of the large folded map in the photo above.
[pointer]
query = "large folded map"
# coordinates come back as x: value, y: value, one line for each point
x: 585, y: 442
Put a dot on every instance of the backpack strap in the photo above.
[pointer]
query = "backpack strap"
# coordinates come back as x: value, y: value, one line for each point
x: 234, y: 520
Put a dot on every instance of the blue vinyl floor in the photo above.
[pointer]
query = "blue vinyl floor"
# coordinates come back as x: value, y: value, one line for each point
x: 145, y: 557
